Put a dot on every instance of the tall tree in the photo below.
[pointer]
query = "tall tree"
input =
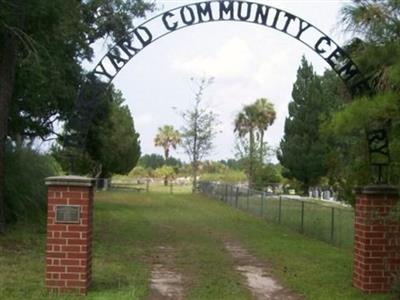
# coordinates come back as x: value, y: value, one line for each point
x: 167, y: 138
x: 302, y: 149
x: 246, y: 123
x: 42, y: 44
x: 8, y: 59
x: 111, y: 136
x: 118, y: 139
x: 25, y: 28
x: 376, y: 46
x: 265, y: 117
x: 199, y: 130
x: 253, y: 121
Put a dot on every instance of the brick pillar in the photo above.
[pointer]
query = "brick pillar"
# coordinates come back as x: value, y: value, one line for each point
x: 377, y: 238
x: 69, y: 234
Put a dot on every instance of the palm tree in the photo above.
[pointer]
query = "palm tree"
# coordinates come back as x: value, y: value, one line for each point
x: 166, y: 138
x: 254, y: 120
x: 246, y: 123
x: 265, y: 117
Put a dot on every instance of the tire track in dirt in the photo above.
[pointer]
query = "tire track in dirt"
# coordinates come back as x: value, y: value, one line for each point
x: 258, y: 276
x: 166, y: 282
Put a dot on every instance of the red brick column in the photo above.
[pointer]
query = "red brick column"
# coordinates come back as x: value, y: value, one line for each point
x: 377, y: 238
x: 69, y: 235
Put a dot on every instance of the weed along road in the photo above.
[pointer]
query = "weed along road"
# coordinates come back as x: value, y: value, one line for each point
x: 182, y: 246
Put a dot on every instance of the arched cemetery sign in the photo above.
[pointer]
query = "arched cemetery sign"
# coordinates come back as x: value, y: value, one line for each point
x: 237, y: 11
x: 254, y: 13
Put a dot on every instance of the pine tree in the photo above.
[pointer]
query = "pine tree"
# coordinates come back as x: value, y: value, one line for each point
x: 303, y: 150
x: 375, y: 26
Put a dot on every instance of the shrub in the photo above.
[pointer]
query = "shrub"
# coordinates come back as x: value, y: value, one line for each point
x: 139, y: 171
x: 266, y: 175
x: 396, y: 285
x: 227, y: 176
x: 164, y: 171
x: 25, y: 190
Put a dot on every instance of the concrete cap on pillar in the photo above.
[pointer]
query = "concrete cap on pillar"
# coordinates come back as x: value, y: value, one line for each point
x: 377, y: 189
x: 70, y: 181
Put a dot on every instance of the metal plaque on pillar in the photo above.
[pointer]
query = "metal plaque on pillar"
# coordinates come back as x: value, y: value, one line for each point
x: 68, y: 214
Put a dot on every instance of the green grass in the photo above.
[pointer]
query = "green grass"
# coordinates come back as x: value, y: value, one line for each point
x: 130, y: 226
x: 317, y: 215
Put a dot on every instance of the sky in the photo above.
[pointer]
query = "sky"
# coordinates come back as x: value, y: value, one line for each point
x: 247, y: 62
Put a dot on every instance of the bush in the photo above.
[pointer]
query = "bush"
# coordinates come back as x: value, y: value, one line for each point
x: 395, y: 290
x: 164, y: 171
x: 227, y: 176
x: 139, y: 171
x: 267, y: 174
x: 25, y: 191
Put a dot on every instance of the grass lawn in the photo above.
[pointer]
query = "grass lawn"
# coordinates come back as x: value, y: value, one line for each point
x: 129, y: 227
x: 317, y: 215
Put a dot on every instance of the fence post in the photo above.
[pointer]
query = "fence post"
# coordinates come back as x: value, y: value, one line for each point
x: 280, y: 209
x: 332, y: 225
x: 262, y: 204
x: 231, y: 196
x: 147, y: 185
x: 171, y: 188
x: 248, y: 199
x: 302, y: 217
x: 237, y: 197
x: 226, y: 193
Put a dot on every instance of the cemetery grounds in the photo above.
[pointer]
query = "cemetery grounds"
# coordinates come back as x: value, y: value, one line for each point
x: 134, y: 231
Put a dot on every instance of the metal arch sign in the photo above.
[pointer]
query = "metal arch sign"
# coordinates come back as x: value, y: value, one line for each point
x: 234, y: 11
x: 237, y: 11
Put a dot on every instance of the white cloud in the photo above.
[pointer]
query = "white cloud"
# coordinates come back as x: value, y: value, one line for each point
x: 232, y: 59
x: 275, y: 68
x: 144, y: 120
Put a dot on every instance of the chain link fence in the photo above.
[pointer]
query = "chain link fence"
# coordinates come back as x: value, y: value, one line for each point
x: 141, y: 185
x: 332, y: 224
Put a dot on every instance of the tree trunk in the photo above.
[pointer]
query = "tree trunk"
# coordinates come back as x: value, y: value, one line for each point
x: 8, y: 58
x: 195, y: 151
x: 306, y: 186
x: 262, y: 146
x: 251, y: 159
x: 166, y: 154
x: 194, y: 174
